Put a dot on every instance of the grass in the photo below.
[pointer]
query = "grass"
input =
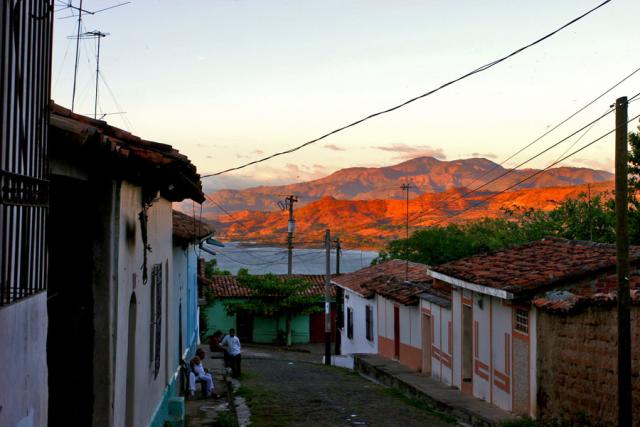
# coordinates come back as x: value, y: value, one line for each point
x: 419, y: 404
x: 266, y: 410
x: 225, y: 419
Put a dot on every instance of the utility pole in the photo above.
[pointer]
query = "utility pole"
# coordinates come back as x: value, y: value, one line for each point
x: 622, y: 267
x: 589, y: 213
x: 288, y: 203
x: 327, y: 302
x: 339, y: 301
x: 405, y: 188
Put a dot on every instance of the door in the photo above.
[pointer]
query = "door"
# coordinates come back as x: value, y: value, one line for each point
x: 131, y: 364
x: 244, y: 326
x: 467, y: 349
x: 396, y: 332
x: 426, y: 344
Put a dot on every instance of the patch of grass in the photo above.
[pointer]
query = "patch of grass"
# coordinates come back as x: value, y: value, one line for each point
x: 244, y: 376
x: 266, y: 410
x: 419, y: 404
x: 225, y: 419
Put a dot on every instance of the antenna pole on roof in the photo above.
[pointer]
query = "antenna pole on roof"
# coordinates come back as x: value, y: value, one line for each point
x: 327, y: 302
x: 405, y: 188
x: 75, y: 68
x: 622, y: 267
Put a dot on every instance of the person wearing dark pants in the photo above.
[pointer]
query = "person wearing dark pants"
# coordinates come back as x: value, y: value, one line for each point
x: 232, y: 344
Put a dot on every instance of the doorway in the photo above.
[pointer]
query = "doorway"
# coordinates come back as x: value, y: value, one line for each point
x: 396, y: 332
x: 131, y: 363
x: 244, y: 326
x: 467, y: 349
x: 426, y: 344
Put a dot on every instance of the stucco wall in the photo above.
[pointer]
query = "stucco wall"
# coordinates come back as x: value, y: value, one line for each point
x: 359, y: 343
x: 410, y: 332
x: 577, y: 364
x: 23, y: 356
x: 149, y: 390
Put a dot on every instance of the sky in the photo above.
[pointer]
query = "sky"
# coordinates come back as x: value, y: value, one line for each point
x: 230, y: 81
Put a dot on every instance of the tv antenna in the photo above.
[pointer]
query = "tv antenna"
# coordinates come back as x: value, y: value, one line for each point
x: 80, y: 11
x: 95, y: 34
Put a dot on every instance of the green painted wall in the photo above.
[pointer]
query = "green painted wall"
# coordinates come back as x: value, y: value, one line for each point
x: 264, y: 330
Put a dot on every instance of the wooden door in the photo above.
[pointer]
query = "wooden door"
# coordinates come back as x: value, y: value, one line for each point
x: 244, y: 326
x: 396, y: 332
x: 426, y: 344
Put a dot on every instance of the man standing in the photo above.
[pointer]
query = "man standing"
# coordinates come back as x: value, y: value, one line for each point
x: 232, y: 344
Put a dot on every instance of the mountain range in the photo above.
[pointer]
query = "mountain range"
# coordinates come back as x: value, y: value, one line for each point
x: 426, y: 175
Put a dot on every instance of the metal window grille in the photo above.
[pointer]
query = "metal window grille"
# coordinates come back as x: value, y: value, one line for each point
x: 349, y: 323
x: 522, y: 321
x: 25, y: 59
x: 156, y: 318
x: 369, y: 322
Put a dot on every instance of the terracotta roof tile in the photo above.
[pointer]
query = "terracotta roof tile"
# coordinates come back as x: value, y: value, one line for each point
x: 188, y: 229
x: 229, y: 287
x: 536, y: 266
x: 357, y: 280
x: 159, y: 162
x: 391, y: 287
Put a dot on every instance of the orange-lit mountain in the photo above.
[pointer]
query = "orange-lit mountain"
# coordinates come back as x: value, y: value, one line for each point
x: 370, y: 223
x: 427, y: 174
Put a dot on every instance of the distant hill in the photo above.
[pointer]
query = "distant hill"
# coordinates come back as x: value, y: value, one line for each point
x: 427, y: 174
x: 370, y: 223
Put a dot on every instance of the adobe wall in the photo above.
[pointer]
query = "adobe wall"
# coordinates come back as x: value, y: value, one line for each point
x: 577, y: 364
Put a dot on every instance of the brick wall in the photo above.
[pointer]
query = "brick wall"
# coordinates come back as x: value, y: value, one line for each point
x: 577, y: 365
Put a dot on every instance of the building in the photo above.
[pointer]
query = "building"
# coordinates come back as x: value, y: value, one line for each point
x: 305, y: 328
x: 113, y: 348
x: 533, y: 328
x: 361, y: 332
x: 25, y: 45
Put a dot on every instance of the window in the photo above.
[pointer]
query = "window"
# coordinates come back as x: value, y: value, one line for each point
x: 350, y: 323
x: 155, y: 329
x: 369, y: 322
x: 522, y: 320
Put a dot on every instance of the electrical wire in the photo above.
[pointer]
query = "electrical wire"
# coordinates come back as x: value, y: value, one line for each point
x: 416, y: 98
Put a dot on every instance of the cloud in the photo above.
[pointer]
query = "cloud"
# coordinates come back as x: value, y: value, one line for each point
x: 606, y: 164
x: 407, y: 152
x: 251, y: 155
x: 485, y: 155
x: 334, y: 147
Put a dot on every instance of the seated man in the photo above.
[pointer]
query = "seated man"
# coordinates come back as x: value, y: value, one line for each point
x: 198, y: 373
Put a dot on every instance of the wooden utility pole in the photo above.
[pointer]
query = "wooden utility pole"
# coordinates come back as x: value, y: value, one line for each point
x: 622, y: 267
x: 289, y: 201
x: 405, y: 188
x: 327, y: 301
x: 339, y: 301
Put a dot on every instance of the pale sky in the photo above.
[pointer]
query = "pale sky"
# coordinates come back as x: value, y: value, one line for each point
x: 228, y: 81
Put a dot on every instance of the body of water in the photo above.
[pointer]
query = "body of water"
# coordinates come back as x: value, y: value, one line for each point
x: 262, y: 260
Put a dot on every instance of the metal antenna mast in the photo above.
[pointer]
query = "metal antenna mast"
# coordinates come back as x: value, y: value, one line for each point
x: 95, y: 34
x: 406, y: 188
x: 78, y: 37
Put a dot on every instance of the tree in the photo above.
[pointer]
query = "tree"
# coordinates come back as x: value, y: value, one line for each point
x: 211, y: 269
x: 275, y: 297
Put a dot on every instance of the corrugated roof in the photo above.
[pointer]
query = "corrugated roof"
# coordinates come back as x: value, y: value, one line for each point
x: 357, y: 280
x: 130, y: 155
x: 188, y: 229
x: 535, y: 266
x: 229, y: 287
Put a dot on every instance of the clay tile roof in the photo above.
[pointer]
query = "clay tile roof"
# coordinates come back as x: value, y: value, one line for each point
x: 405, y: 293
x: 128, y: 155
x: 357, y: 280
x: 229, y: 287
x: 188, y: 229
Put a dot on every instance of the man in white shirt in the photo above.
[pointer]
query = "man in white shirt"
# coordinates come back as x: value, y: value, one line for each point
x: 232, y: 344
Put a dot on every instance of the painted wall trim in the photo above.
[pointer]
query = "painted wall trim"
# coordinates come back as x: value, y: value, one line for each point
x: 498, y: 293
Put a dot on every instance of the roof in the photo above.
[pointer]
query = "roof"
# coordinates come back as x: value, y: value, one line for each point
x: 130, y: 156
x: 229, y: 287
x: 530, y: 268
x: 599, y: 292
x: 392, y: 288
x: 357, y: 280
x: 188, y: 229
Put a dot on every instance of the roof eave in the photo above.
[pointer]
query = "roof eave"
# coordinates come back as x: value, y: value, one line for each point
x: 498, y: 293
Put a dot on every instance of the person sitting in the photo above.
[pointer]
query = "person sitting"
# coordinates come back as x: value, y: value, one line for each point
x: 198, y: 373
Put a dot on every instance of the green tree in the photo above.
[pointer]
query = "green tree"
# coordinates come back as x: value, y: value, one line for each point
x: 211, y: 269
x: 275, y: 297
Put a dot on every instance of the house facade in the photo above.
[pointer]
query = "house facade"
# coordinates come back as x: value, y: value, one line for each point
x: 369, y: 324
x: 25, y: 45
x: 305, y: 328
x: 112, y: 295
x: 512, y: 322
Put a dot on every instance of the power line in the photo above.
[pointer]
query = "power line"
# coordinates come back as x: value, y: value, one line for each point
x: 424, y: 95
x: 530, y: 176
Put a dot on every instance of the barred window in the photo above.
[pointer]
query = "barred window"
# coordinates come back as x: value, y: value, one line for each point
x: 522, y: 320
x: 369, y: 322
x: 350, y: 323
x: 155, y: 329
